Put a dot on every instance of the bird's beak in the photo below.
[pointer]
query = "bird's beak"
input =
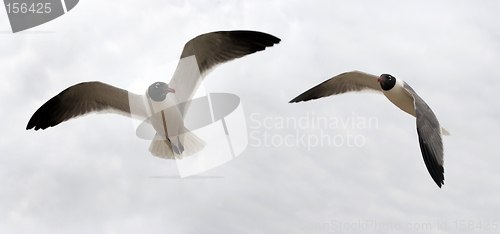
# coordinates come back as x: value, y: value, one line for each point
x: 379, y: 79
x: 171, y: 90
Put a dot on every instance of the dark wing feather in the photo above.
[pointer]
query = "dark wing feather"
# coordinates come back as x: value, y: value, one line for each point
x: 345, y: 82
x: 210, y: 50
x: 215, y: 48
x: 81, y: 99
x: 429, y: 137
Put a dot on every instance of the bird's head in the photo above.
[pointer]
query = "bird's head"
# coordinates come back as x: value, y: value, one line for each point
x: 158, y: 91
x: 387, y: 81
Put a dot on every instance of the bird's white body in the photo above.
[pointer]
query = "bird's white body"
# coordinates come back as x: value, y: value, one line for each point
x: 400, y: 97
x: 173, y: 118
x: 172, y: 140
x: 170, y: 124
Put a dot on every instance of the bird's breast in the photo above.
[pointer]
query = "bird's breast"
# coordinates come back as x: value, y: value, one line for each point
x: 401, y: 98
x: 171, y: 118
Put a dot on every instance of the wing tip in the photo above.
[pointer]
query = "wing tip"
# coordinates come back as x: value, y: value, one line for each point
x: 439, y: 182
x: 36, y: 124
x: 439, y: 177
x: 302, y: 98
x: 435, y: 169
x: 260, y: 34
x: 298, y: 99
x: 33, y: 123
x: 310, y: 94
x: 28, y: 127
x: 434, y: 166
x: 261, y: 40
x: 45, y: 116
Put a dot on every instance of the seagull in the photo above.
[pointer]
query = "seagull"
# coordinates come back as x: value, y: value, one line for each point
x: 172, y: 140
x: 403, y: 96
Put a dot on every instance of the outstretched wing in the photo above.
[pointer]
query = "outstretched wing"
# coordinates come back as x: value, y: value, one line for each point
x: 203, y: 53
x: 86, y: 98
x: 429, y: 137
x: 345, y: 82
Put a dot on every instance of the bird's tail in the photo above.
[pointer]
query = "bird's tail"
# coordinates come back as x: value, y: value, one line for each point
x: 445, y: 132
x: 162, y: 147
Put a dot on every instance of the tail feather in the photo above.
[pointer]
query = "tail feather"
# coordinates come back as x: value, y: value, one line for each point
x: 162, y: 147
x: 445, y: 132
x: 192, y: 143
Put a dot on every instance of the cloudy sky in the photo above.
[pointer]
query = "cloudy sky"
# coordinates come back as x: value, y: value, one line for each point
x: 94, y: 175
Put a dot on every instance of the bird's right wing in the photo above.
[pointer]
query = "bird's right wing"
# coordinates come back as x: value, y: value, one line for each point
x: 345, y: 82
x: 84, y: 98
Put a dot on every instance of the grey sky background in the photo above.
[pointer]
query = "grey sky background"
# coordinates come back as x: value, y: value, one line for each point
x: 93, y: 175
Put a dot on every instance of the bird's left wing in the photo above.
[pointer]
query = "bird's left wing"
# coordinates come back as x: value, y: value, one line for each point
x: 203, y: 53
x: 429, y: 137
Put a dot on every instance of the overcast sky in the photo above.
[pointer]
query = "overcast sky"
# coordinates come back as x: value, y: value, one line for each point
x: 94, y: 175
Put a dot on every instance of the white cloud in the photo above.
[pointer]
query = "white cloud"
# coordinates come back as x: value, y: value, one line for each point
x: 92, y: 174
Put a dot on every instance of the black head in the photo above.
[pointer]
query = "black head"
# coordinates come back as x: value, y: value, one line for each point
x: 158, y: 91
x: 387, y: 81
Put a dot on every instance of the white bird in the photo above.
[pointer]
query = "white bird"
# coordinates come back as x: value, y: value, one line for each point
x: 403, y: 96
x: 200, y: 55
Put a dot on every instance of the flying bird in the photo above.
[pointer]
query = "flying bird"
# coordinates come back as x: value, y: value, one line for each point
x: 403, y: 96
x: 172, y: 140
